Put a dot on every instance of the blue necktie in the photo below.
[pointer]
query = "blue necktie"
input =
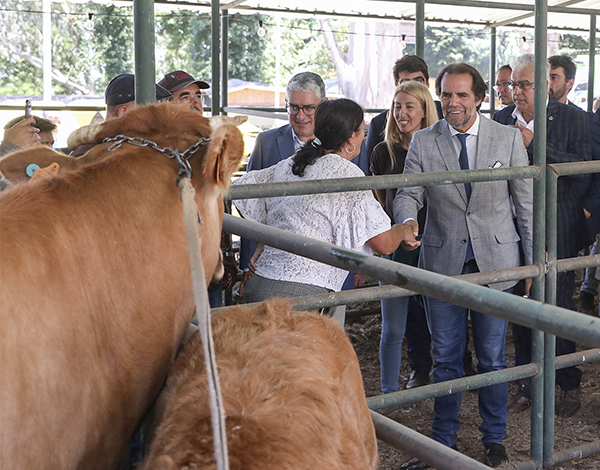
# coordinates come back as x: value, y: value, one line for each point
x: 463, y: 159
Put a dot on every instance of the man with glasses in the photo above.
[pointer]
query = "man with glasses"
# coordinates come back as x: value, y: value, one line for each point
x: 501, y: 86
x: 567, y: 140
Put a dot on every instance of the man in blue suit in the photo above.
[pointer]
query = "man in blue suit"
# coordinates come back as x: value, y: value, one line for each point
x: 567, y: 140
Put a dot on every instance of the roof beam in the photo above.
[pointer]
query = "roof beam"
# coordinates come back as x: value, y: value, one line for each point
x: 529, y: 15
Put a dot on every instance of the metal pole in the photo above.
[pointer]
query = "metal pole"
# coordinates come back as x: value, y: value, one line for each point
x: 539, y: 224
x: 215, y: 20
x: 47, y: 49
x: 492, y: 70
x: 420, y: 29
x: 591, y: 63
x: 224, y: 57
x: 391, y: 401
x: 550, y: 340
x: 143, y: 35
x: 424, y: 448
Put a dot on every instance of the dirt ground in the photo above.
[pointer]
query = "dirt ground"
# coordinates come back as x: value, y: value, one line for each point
x: 580, y: 429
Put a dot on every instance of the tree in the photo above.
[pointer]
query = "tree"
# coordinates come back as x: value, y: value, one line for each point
x: 185, y: 43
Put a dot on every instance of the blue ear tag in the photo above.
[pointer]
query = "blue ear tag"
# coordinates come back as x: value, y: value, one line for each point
x: 31, y: 169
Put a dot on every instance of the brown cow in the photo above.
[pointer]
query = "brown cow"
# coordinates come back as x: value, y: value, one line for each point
x: 292, y: 392
x: 95, y: 286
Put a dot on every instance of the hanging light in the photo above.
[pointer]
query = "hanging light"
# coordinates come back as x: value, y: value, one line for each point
x: 525, y: 45
x: 403, y: 42
x: 89, y: 24
x: 261, y: 29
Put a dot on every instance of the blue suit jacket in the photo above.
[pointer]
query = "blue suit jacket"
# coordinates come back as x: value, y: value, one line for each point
x: 269, y: 149
x: 567, y: 140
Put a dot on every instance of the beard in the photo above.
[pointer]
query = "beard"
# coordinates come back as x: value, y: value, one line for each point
x: 458, y: 121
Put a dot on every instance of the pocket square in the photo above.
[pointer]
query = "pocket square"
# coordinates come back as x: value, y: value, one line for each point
x: 498, y: 164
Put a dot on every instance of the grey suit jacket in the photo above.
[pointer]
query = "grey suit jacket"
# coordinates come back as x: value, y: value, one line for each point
x: 486, y: 218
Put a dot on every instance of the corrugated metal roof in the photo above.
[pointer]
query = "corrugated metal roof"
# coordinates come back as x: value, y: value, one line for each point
x: 572, y: 15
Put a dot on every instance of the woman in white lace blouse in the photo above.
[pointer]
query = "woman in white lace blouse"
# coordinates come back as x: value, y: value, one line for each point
x: 352, y: 220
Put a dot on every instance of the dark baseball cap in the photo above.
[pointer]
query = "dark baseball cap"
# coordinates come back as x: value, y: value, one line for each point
x: 121, y: 89
x: 179, y: 79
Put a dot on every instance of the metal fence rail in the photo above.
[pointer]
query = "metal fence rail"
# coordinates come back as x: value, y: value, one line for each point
x: 406, y: 280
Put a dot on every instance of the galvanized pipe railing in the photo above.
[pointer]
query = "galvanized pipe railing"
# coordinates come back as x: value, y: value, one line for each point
x: 571, y: 325
x: 425, y: 449
x: 335, y: 185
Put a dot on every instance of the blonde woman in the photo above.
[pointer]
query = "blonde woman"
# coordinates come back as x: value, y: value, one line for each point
x: 412, y: 109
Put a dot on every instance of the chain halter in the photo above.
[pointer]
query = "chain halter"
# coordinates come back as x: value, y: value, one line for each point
x: 185, y: 169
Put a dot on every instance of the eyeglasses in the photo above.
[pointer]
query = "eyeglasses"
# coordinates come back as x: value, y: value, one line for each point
x: 416, y: 79
x: 497, y: 86
x: 294, y: 109
x: 524, y: 85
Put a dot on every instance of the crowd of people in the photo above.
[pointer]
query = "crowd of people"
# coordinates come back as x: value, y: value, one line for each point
x: 449, y: 229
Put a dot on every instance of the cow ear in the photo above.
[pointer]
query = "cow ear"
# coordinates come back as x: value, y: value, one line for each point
x: 224, y: 155
x: 19, y: 166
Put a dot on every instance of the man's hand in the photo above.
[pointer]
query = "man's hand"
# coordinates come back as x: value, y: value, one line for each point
x: 526, y: 134
x: 23, y: 134
x: 528, y: 284
x: 410, y: 242
x: 231, y: 272
x: 359, y: 280
x: 251, y: 267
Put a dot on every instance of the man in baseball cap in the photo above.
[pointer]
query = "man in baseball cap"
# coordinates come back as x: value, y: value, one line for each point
x: 185, y: 88
x: 120, y: 95
x: 119, y: 98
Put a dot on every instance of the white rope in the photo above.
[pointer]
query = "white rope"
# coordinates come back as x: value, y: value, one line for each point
x: 192, y: 221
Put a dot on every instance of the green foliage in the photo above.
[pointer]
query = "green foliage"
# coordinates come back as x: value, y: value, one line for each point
x: 302, y: 48
x: 112, y: 43
x: 574, y: 45
x: 186, y: 43
x: 444, y: 45
x: 17, y: 75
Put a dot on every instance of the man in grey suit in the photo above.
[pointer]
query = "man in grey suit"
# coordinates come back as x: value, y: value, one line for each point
x: 469, y: 228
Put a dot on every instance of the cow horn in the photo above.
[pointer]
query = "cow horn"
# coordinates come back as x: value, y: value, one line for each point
x: 81, y: 136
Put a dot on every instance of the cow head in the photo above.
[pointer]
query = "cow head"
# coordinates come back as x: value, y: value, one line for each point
x: 167, y: 126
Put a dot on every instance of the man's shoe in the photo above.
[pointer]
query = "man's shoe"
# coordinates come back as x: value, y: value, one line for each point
x: 416, y: 464
x: 584, y: 302
x: 417, y: 378
x: 569, y: 403
x: 517, y: 404
x: 495, y: 454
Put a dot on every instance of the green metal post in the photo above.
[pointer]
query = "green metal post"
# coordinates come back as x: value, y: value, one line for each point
x: 549, y: 339
x: 215, y: 18
x: 224, y: 56
x: 143, y: 35
x: 492, y: 71
x: 539, y: 224
x: 420, y: 29
x: 592, y: 63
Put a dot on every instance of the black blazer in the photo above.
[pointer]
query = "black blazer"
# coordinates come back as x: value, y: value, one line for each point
x: 567, y: 140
